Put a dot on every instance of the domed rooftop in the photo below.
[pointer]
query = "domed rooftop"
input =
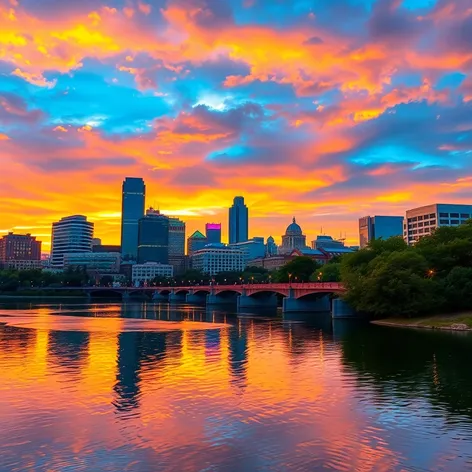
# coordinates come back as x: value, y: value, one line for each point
x: 293, y: 228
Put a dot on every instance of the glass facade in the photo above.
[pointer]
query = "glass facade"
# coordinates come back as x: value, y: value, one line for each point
x: 213, y: 233
x: 132, y: 209
x: 379, y: 227
x: 238, y: 221
x: 153, y: 239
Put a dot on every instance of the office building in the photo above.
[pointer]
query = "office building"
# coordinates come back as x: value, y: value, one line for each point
x: 153, y: 238
x: 213, y: 233
x: 132, y: 210
x: 20, y: 252
x: 423, y: 221
x: 100, y: 263
x: 251, y: 249
x: 292, y: 239
x: 144, y: 273
x: 330, y: 246
x: 238, y: 221
x: 72, y: 234
x: 195, y: 242
x: 271, y: 247
x: 177, y: 256
x: 379, y: 227
x: 217, y: 258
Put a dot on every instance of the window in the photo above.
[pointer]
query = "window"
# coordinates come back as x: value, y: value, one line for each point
x: 454, y: 222
x: 414, y: 226
x: 420, y: 225
x: 465, y: 215
x: 433, y: 215
x: 414, y: 219
x: 420, y: 218
x: 415, y: 231
x: 433, y: 222
x: 444, y: 215
x: 443, y: 222
x: 454, y: 215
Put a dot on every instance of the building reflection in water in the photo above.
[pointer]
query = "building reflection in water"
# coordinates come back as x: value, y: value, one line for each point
x: 68, y: 349
x: 238, y: 351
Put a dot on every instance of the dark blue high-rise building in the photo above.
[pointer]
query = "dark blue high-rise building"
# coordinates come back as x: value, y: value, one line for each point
x: 153, y: 238
x: 213, y: 233
x: 238, y: 221
x: 132, y: 209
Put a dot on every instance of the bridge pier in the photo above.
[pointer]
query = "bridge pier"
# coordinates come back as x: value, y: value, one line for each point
x: 266, y: 301
x: 341, y: 309
x: 297, y: 305
x: 198, y: 298
x: 125, y: 296
x: 160, y: 297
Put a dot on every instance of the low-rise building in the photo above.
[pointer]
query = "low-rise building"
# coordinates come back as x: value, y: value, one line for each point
x: 216, y: 258
x: 251, y: 249
x: 143, y: 273
x: 423, y: 221
x: 20, y: 252
x: 330, y: 246
x: 97, y: 262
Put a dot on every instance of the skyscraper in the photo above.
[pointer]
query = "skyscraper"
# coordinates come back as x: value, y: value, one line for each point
x: 177, y: 257
x: 153, y: 238
x: 132, y: 209
x: 195, y: 242
x: 72, y: 234
x: 238, y: 221
x: 213, y: 233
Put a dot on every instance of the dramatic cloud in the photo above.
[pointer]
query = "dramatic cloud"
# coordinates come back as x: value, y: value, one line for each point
x: 326, y: 110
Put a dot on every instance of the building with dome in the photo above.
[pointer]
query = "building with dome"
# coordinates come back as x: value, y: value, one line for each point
x: 292, y: 239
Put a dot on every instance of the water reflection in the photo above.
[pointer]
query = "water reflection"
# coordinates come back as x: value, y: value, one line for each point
x: 267, y: 393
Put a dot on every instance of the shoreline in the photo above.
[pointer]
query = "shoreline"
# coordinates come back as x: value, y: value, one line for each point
x: 457, y: 322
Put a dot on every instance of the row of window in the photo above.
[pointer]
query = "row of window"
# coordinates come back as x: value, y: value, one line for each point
x: 422, y: 217
x: 455, y: 215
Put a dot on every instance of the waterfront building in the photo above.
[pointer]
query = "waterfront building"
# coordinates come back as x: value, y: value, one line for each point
x: 101, y: 263
x: 213, y: 233
x: 292, y: 239
x: 20, y: 252
x: 331, y: 247
x: 143, y: 273
x: 216, y: 258
x: 424, y: 220
x: 195, y: 242
x: 153, y: 238
x: 132, y: 210
x: 251, y: 249
x: 106, y: 248
x: 96, y: 242
x: 176, y: 237
x: 379, y: 227
x: 238, y: 221
x: 72, y: 234
x: 271, y: 247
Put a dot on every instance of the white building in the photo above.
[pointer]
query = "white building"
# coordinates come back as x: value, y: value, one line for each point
x: 72, y: 234
x: 423, y: 221
x: 149, y: 271
x: 101, y: 262
x: 214, y: 259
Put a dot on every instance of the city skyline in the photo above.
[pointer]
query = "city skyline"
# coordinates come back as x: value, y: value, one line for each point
x: 327, y: 110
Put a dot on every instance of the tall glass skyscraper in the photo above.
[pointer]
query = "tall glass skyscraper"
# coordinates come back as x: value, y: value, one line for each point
x: 238, y: 221
x: 153, y: 238
x: 213, y: 233
x: 132, y: 209
x: 72, y: 234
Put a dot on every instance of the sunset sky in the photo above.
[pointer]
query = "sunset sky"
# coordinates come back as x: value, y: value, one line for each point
x: 324, y: 109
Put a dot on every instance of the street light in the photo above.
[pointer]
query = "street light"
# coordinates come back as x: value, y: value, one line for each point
x: 290, y: 279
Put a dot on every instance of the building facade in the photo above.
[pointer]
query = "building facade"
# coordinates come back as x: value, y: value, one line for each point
x: 213, y: 233
x: 271, y: 247
x: 252, y: 249
x: 101, y: 263
x: 423, y: 221
x: 195, y: 242
x: 144, y: 273
x: 379, y: 227
x: 106, y: 248
x: 153, y: 238
x: 72, y: 234
x: 20, y: 252
x: 238, y: 221
x: 214, y: 259
x: 330, y: 246
x: 132, y: 210
x: 292, y: 239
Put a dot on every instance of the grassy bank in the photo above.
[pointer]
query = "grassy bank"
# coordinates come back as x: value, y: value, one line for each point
x: 456, y: 322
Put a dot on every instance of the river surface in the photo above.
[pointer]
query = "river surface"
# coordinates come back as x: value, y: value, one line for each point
x: 255, y: 392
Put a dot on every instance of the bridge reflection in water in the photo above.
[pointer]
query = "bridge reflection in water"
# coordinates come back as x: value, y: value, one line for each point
x: 295, y: 297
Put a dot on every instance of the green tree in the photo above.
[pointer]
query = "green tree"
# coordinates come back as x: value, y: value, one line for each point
x: 299, y: 269
x: 330, y: 272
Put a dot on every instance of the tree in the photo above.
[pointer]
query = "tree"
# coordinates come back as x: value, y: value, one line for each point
x: 330, y: 272
x: 299, y: 269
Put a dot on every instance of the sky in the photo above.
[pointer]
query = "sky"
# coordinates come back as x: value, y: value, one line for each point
x: 327, y: 110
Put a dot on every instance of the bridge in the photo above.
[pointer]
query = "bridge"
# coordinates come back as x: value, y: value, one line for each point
x: 297, y: 297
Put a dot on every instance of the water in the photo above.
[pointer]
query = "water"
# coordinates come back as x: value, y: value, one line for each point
x: 257, y: 393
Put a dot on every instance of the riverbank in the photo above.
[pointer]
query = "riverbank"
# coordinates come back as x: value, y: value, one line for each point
x: 455, y: 322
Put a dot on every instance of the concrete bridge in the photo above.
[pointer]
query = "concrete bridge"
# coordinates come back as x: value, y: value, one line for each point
x: 297, y: 297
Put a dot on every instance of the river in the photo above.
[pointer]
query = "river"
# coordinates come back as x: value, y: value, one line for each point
x: 96, y: 388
